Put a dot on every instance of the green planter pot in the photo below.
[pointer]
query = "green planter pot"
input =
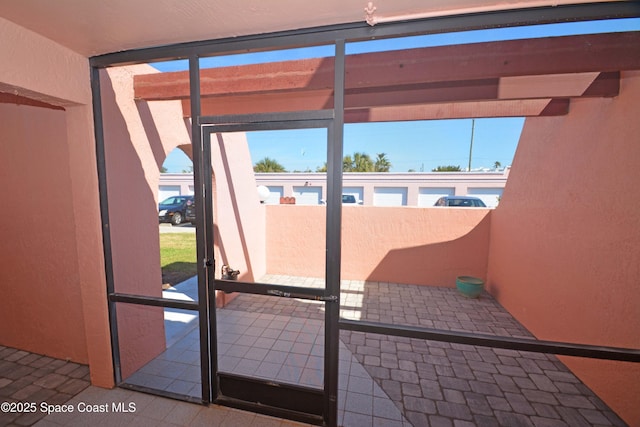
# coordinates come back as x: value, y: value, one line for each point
x: 470, y: 287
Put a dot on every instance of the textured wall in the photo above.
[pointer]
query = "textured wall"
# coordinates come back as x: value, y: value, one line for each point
x: 427, y: 246
x: 239, y: 218
x: 134, y: 152
x: 57, y: 299
x: 38, y: 68
x: 40, y: 308
x: 138, y: 136
x: 564, y: 256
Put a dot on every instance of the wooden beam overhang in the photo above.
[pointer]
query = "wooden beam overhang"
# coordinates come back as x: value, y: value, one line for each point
x: 508, y: 78
x: 10, y: 98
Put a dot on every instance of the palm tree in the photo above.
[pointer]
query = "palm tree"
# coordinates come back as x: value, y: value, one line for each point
x: 382, y: 164
x: 362, y: 162
x: 268, y: 165
x: 347, y: 164
x: 497, y: 165
x: 449, y: 168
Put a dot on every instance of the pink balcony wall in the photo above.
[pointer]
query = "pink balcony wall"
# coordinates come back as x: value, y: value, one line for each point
x: 425, y: 246
x: 564, y: 256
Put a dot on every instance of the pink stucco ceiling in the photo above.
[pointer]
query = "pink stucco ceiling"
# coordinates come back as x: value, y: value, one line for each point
x: 92, y: 27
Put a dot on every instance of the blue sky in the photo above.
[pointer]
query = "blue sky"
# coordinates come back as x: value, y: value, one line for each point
x: 420, y: 145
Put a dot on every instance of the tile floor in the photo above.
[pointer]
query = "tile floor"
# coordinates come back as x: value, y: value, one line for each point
x: 384, y: 381
x: 269, y: 346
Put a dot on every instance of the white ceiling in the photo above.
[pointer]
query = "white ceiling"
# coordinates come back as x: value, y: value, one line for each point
x: 92, y: 27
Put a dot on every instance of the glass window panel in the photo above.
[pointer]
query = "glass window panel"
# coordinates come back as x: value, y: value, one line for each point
x: 282, y: 240
x: 256, y: 342
x: 149, y: 179
x: 160, y: 349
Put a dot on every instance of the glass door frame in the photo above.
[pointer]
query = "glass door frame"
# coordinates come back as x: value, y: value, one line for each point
x: 280, y: 399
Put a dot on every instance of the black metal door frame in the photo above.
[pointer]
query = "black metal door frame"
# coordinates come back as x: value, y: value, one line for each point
x: 266, y: 396
x: 306, y: 37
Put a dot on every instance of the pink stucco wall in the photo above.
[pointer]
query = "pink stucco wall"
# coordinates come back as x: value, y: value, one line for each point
x: 89, y: 251
x: 239, y: 218
x: 132, y: 157
x: 564, y: 255
x: 41, y: 304
x: 25, y: 54
x: 52, y: 272
x: 138, y: 136
x: 426, y: 246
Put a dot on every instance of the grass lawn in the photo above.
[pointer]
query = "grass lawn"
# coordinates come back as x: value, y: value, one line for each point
x: 177, y: 257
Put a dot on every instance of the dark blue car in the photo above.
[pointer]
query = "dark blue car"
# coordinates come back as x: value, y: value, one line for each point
x: 173, y: 209
x: 461, y: 202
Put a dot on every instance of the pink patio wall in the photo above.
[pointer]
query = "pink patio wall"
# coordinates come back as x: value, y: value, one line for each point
x: 424, y: 246
x: 41, y: 307
x: 52, y: 275
x: 239, y: 218
x: 135, y: 147
x: 564, y: 257
x: 138, y: 137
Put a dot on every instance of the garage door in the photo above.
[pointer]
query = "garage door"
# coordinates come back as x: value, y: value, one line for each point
x: 427, y: 196
x: 488, y: 195
x: 275, y: 192
x: 307, y: 195
x: 390, y: 196
x: 165, y: 191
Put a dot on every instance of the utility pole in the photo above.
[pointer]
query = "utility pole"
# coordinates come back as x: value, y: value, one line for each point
x: 473, y: 124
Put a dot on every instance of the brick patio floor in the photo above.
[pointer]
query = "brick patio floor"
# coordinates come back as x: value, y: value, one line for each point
x: 28, y: 377
x: 384, y: 381
x: 442, y: 384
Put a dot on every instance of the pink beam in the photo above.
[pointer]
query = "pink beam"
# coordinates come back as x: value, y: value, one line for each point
x: 557, y: 55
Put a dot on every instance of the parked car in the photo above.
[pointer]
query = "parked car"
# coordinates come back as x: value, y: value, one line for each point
x: 173, y: 209
x: 190, y: 213
x: 349, y: 198
x: 460, y: 201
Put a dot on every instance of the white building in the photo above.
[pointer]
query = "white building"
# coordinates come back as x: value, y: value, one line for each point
x: 373, y: 189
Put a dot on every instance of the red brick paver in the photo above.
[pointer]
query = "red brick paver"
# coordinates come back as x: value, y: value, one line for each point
x: 31, y: 379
